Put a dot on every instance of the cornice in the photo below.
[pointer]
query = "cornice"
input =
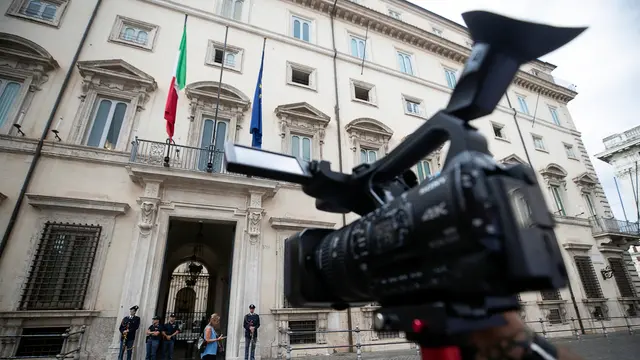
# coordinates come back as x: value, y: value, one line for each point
x: 283, y: 223
x: 579, y: 247
x: 397, y: 29
x: 67, y: 203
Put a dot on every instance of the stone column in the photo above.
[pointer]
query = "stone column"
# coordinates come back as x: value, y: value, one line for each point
x: 137, y: 269
x: 251, y: 274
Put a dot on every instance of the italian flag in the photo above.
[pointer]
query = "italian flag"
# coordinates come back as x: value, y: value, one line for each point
x: 178, y: 82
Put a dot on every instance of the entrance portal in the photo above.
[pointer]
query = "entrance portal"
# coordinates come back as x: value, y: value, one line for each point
x: 196, y: 279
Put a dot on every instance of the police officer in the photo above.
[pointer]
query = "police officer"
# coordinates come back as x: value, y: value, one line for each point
x: 153, y: 338
x: 251, y: 325
x: 169, y: 332
x: 128, y: 327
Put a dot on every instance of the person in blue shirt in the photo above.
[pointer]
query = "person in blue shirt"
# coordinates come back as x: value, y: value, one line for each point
x: 169, y: 332
x: 153, y: 338
x: 212, y: 338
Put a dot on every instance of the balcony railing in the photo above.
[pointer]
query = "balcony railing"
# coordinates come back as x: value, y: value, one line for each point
x: 157, y: 153
x: 600, y: 225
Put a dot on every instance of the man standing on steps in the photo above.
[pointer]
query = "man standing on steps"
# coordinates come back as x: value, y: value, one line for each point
x: 251, y: 324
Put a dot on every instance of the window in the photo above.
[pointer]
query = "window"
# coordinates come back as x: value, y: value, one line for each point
x: 212, y: 145
x: 550, y: 295
x: 554, y: 115
x: 424, y: 170
x: 413, y: 106
x: 451, y: 78
x: 43, y: 11
x: 538, y: 143
x: 361, y: 91
x: 358, y: 47
x: 301, y: 147
x: 523, y: 104
x: 133, y: 32
x: 368, y: 156
x: 498, y: 131
x: 588, y: 277
x: 388, y: 334
x: 232, y: 9
x: 216, y: 55
x: 404, y: 63
x: 394, y: 14
x: 555, y: 316
x: 61, y: 270
x: 41, y: 342
x: 107, y: 122
x: 557, y: 197
x: 569, y: 150
x: 302, y: 332
x: 9, y: 91
x: 437, y: 31
x: 623, y: 280
x: 301, y: 28
x: 590, y: 205
x: 301, y: 75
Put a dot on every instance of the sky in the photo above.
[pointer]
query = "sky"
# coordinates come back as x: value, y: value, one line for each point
x: 602, y: 62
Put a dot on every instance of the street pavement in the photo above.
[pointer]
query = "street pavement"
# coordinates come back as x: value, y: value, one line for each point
x: 617, y: 346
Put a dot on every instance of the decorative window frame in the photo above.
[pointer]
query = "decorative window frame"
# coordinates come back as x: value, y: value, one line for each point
x: 369, y: 134
x: 302, y: 119
x: 502, y: 127
x: 312, y: 27
x: 245, y: 10
x: 565, y: 145
x: 16, y: 5
x: 123, y: 21
x: 423, y: 112
x: 285, y: 227
x: 373, y: 95
x: 75, y: 210
x: 313, y: 76
x: 203, y: 99
x: 411, y: 56
x: 100, y: 79
x: 512, y: 159
x: 586, y: 183
x: 368, y: 55
x: 554, y: 175
x: 31, y: 69
x: 533, y: 141
x: 213, y: 45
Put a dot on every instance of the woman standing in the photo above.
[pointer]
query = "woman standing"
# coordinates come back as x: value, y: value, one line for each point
x: 212, y: 338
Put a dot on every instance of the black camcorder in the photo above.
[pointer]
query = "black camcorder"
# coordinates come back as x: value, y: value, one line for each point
x: 452, y: 251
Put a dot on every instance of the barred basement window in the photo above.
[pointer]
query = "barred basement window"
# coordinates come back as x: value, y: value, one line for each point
x: 388, y: 334
x: 302, y: 332
x: 61, y: 270
x: 555, y: 316
x: 588, y: 277
x: 40, y: 342
x: 623, y: 280
x: 550, y: 295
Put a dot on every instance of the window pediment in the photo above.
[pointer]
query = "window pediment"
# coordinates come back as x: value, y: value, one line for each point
x: 554, y: 174
x: 512, y: 159
x: 585, y: 181
x: 205, y: 93
x: 303, y: 111
x: 26, y: 52
x: 368, y: 132
x: 115, y: 74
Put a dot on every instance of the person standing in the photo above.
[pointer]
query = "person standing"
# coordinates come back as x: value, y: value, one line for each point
x: 212, y: 338
x: 128, y: 327
x: 153, y: 338
x: 251, y: 325
x: 169, y: 331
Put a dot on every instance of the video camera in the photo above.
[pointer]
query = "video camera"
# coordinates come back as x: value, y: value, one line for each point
x: 450, y: 252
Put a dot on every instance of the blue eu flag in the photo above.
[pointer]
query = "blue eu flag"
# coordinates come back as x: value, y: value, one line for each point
x: 256, y: 112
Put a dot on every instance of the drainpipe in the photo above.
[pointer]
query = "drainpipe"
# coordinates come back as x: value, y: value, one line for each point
x: 45, y: 132
x: 526, y: 152
x: 336, y: 109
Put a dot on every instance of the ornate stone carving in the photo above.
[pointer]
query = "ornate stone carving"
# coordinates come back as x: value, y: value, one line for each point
x: 147, y: 216
x: 302, y: 119
x: 554, y: 174
x: 586, y: 182
x: 255, y: 200
x: 255, y: 220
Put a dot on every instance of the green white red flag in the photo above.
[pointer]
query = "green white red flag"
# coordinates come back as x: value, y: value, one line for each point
x: 178, y: 82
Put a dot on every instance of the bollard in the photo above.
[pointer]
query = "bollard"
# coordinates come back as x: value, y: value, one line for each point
x: 544, y: 332
x: 575, y: 329
x: 358, y: 344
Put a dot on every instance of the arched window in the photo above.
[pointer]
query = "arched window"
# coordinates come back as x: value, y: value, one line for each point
x: 237, y: 9
x: 8, y: 92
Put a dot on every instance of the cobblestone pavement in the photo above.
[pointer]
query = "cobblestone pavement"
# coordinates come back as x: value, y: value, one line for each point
x: 617, y: 346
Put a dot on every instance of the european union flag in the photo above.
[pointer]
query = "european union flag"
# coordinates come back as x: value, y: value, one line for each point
x: 256, y: 112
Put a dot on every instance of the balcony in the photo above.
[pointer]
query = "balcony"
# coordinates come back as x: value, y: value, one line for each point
x: 614, y: 227
x: 156, y: 153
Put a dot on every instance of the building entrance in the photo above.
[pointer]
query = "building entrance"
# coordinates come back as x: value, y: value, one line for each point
x: 196, y: 279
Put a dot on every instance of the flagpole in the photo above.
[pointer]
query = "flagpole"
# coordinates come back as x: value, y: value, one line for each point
x: 620, y: 197
x: 215, y: 116
x: 364, y: 55
x: 535, y: 111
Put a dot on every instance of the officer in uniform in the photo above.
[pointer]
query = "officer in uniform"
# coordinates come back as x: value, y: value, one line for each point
x: 169, y: 331
x: 128, y: 327
x: 251, y: 325
x: 153, y: 338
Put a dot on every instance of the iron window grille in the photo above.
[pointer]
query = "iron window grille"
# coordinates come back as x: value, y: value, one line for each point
x: 302, y: 332
x: 588, y: 277
x: 40, y: 342
x: 61, y: 270
x: 550, y: 295
x: 623, y: 280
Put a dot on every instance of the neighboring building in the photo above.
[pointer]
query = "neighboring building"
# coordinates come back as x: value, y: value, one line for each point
x: 107, y: 223
x: 623, y: 152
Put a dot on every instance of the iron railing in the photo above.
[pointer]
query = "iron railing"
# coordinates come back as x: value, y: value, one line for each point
x: 42, y: 343
x: 601, y: 225
x: 207, y: 159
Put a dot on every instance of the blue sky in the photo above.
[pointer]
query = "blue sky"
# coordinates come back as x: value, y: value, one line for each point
x: 602, y: 62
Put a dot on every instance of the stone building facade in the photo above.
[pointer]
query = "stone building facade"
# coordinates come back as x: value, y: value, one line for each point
x: 112, y: 216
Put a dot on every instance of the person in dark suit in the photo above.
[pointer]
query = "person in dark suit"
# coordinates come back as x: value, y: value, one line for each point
x: 128, y: 327
x: 170, y: 330
x: 251, y: 325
